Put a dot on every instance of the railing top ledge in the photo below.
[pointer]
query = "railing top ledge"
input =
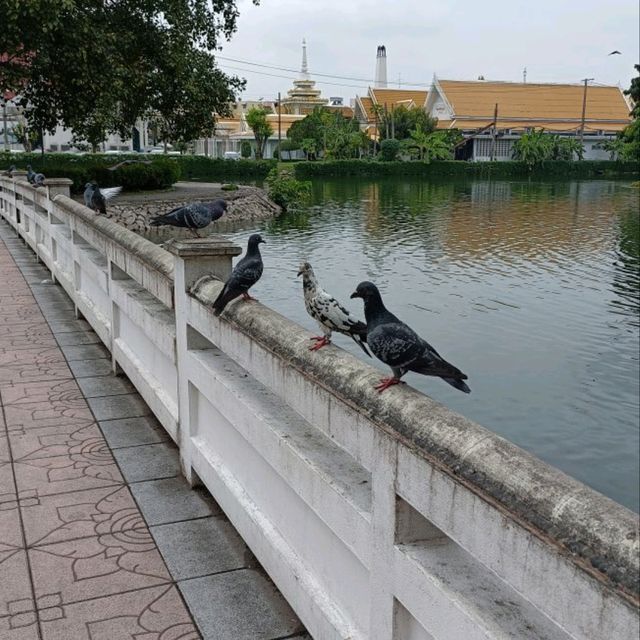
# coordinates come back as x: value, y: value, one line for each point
x: 156, y: 257
x: 202, y: 247
x: 598, y: 534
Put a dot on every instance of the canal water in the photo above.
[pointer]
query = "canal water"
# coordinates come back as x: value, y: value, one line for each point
x: 530, y: 288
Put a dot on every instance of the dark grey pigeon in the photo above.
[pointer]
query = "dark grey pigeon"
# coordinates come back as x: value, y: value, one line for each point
x: 9, y: 171
x: 99, y: 197
x: 31, y: 175
x: 244, y: 275
x: 329, y: 313
x: 192, y: 216
x: 38, y: 180
x: 399, y: 346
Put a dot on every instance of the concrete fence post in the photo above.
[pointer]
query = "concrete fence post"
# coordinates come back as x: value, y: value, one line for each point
x: 194, y: 258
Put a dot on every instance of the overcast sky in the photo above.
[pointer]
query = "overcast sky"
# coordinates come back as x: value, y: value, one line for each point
x: 557, y: 40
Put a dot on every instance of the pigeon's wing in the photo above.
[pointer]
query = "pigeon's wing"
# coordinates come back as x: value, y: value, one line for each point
x: 396, y: 344
x: 245, y: 274
x: 88, y: 192
x: 110, y: 192
x: 431, y: 363
x: 329, y: 312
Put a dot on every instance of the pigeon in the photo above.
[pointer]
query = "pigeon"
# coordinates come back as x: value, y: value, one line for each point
x: 192, y: 216
x: 97, y: 197
x: 328, y: 312
x: 31, y: 175
x: 616, y: 53
x: 398, y: 346
x: 244, y: 275
x: 38, y: 180
x: 9, y: 171
x: 126, y: 162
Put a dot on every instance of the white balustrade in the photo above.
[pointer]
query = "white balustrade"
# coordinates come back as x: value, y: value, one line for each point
x: 377, y: 516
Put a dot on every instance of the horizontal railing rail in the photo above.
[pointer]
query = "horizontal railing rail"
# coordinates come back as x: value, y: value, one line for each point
x: 378, y: 516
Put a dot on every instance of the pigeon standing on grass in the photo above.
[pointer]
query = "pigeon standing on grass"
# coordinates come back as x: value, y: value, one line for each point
x: 98, y: 197
x: 244, y: 275
x: 399, y: 346
x: 329, y: 313
x: 193, y: 216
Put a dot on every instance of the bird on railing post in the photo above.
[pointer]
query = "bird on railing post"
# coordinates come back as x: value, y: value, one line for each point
x: 96, y: 198
x: 9, y: 171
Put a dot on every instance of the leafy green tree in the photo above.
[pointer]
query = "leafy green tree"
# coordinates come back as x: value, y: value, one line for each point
x: 634, y: 93
x: 533, y: 148
x: 566, y: 148
x: 401, y: 120
x: 389, y: 149
x: 257, y: 120
x: 310, y: 148
x: 25, y: 136
x: 245, y: 149
x: 97, y: 67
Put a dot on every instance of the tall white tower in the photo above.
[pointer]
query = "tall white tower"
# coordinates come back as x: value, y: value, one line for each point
x: 381, y: 68
x: 304, y: 69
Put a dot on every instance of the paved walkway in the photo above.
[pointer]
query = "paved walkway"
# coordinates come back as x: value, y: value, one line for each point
x: 100, y: 537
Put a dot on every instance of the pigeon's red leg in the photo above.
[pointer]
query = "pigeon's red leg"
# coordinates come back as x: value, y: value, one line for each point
x: 246, y: 296
x: 385, y: 383
x: 320, y: 342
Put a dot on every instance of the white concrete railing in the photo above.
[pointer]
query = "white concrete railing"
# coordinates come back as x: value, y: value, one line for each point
x: 377, y: 516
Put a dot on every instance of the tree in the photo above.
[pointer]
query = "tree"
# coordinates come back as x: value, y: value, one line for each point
x: 566, y: 148
x: 96, y: 67
x: 533, y: 148
x: 389, y: 149
x: 25, y: 136
x: 245, y: 149
x: 399, y: 121
x: 634, y: 93
x: 257, y: 120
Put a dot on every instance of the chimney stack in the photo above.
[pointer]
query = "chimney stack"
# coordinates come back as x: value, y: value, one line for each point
x: 381, y: 68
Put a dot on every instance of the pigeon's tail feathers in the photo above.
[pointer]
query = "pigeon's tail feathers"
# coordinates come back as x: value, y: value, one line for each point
x: 110, y: 192
x: 160, y: 220
x: 360, y: 341
x: 223, y: 299
x: 458, y: 383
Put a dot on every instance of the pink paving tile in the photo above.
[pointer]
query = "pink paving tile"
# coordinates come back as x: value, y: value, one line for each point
x: 39, y: 337
x: 37, y: 415
x: 10, y: 528
x: 86, y: 568
x: 29, y: 632
x: 48, y: 442
x: 21, y: 330
x: 34, y: 372
x: 90, y: 468
x: 80, y: 514
x: 7, y: 486
x: 20, y: 315
x: 63, y: 391
x: 148, y: 614
x: 37, y: 355
x: 16, y: 598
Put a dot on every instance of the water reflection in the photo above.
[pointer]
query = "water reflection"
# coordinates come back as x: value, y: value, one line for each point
x: 531, y: 288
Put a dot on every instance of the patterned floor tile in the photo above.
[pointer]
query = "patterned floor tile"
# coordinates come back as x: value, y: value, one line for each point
x: 38, y: 355
x: 15, y: 587
x: 49, y: 391
x: 39, y: 336
x: 28, y: 632
x: 34, y: 372
x: 148, y: 614
x: 80, y: 514
x: 87, y: 469
x: 48, y: 442
x: 86, y: 568
x: 10, y: 527
x: 37, y: 415
x: 20, y: 314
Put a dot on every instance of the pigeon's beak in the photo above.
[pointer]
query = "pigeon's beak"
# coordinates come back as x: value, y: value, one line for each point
x: 299, y: 273
x: 261, y: 241
x: 355, y: 294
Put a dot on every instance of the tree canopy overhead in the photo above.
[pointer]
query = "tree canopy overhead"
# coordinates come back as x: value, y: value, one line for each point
x: 98, y: 66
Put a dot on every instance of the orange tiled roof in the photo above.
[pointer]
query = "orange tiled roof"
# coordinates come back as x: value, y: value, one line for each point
x: 398, y: 96
x: 464, y: 123
x: 534, y: 103
x: 367, y: 105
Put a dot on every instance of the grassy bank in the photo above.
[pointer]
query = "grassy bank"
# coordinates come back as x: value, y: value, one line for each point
x: 454, y: 168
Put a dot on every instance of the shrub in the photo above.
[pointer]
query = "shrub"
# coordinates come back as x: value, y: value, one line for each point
x: 286, y: 191
x: 389, y: 150
x: 245, y: 149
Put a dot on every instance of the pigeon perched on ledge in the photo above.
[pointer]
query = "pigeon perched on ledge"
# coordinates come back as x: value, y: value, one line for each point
x: 38, y: 180
x: 9, y: 171
x: 244, y: 275
x: 96, y: 198
x: 31, y: 175
x: 328, y: 312
x: 399, y: 347
x: 192, y: 216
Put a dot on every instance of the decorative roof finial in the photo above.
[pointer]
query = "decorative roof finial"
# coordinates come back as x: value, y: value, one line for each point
x: 304, y: 71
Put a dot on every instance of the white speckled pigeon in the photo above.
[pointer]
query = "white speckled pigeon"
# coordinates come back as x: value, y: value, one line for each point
x: 192, y: 216
x: 244, y: 275
x: 399, y: 346
x: 98, y: 197
x: 328, y: 312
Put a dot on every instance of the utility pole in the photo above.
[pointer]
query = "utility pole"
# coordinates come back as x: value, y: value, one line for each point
x: 279, y: 129
x: 4, y: 125
x: 495, y: 132
x: 524, y: 75
x: 584, y: 108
